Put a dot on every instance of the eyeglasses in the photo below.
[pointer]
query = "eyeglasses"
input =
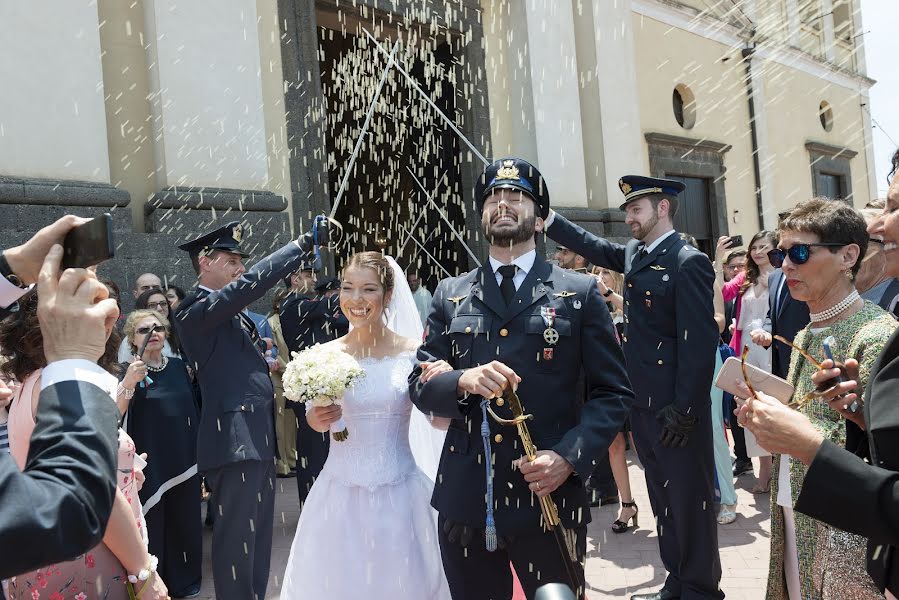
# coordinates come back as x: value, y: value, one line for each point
x: 151, y: 329
x: 158, y: 305
x: 799, y: 253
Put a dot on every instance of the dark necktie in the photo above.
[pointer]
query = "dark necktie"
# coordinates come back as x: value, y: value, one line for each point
x: 507, y: 286
x: 250, y: 327
x: 643, y: 252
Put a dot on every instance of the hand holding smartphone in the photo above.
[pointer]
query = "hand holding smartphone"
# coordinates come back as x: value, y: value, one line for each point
x: 89, y: 244
x: 828, y: 352
x: 736, y: 241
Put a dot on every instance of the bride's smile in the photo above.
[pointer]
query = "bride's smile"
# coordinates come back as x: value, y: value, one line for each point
x: 362, y: 297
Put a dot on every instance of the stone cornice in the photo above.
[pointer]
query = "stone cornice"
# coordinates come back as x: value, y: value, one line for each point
x: 830, y: 151
x: 666, y: 139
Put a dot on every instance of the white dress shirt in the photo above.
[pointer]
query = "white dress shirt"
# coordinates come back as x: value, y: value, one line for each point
x: 658, y: 241
x: 525, y: 263
x: 78, y: 369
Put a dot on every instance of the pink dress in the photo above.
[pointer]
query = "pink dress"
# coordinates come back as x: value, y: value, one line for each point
x: 96, y: 575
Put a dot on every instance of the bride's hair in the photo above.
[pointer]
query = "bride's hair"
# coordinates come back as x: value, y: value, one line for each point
x: 376, y: 261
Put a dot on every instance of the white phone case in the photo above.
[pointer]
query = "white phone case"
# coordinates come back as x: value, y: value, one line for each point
x: 731, y: 376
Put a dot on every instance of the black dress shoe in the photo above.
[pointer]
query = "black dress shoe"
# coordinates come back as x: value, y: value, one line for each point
x: 190, y: 592
x: 742, y: 466
x: 662, y: 594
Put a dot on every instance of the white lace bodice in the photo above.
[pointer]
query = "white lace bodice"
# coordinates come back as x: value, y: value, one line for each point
x: 376, y: 411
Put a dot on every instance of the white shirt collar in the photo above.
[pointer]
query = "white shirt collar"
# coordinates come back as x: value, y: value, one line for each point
x: 203, y: 287
x: 658, y: 241
x: 525, y: 262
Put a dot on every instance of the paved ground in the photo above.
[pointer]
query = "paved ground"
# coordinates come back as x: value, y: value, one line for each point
x: 617, y: 565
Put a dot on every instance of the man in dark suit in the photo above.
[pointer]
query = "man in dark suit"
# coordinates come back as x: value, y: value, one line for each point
x: 517, y: 322
x: 307, y: 320
x: 236, y: 442
x: 58, y: 507
x: 669, y: 342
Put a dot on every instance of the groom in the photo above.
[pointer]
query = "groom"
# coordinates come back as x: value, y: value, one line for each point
x: 517, y: 322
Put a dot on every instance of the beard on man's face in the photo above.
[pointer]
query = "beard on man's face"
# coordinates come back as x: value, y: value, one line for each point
x: 641, y: 231
x: 508, y: 234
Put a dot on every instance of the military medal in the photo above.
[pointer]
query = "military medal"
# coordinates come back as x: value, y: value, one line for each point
x: 547, y: 354
x: 550, y: 335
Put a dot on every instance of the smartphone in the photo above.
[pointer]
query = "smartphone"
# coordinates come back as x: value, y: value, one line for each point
x: 736, y: 240
x: 89, y: 244
x: 828, y: 352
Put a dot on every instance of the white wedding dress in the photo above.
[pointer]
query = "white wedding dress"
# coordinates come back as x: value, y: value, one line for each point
x: 367, y: 529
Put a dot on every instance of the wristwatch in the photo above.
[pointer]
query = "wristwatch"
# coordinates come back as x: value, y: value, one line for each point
x: 7, y: 273
x: 608, y: 293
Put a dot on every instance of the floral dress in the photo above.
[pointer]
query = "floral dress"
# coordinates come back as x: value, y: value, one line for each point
x: 831, y: 561
x: 97, y: 574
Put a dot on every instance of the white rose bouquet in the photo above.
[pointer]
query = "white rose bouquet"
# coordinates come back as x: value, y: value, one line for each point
x: 319, y: 376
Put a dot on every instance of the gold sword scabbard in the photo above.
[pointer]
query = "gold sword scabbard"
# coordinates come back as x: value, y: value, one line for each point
x: 547, y: 505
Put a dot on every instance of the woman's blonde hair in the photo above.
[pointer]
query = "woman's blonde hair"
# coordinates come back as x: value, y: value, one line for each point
x: 136, y: 317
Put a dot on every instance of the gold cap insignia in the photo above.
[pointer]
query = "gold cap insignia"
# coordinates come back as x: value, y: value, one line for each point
x: 625, y: 187
x: 508, y: 171
x: 237, y: 233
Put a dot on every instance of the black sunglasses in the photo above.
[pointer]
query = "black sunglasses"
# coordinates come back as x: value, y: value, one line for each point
x: 153, y: 329
x: 799, y: 253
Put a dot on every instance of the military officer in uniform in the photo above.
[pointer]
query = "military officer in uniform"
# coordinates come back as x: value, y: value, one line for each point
x: 236, y: 441
x: 669, y: 340
x: 523, y: 323
x: 306, y: 321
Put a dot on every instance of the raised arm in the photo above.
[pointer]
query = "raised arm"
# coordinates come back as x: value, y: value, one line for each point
x: 222, y: 305
x: 597, y: 250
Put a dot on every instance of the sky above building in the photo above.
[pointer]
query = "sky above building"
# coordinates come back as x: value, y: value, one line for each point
x: 880, y: 19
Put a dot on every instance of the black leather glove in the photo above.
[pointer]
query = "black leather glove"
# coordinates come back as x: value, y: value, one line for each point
x: 322, y: 235
x: 676, y: 427
x: 462, y: 534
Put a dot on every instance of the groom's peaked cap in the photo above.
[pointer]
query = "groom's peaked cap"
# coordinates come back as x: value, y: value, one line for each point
x: 513, y: 174
x: 226, y: 238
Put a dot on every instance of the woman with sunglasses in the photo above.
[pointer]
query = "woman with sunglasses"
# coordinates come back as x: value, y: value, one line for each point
x: 822, y: 244
x: 153, y: 299
x: 161, y: 410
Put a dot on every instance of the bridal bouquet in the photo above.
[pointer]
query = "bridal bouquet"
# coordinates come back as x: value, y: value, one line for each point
x: 319, y: 375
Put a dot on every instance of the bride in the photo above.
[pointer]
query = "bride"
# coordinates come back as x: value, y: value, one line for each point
x: 367, y: 529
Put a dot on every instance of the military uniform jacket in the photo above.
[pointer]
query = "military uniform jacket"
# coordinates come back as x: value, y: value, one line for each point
x: 669, y: 327
x: 309, y: 321
x: 470, y: 325
x: 237, y: 417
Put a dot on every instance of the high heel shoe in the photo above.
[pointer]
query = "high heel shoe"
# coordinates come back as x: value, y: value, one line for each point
x: 621, y: 526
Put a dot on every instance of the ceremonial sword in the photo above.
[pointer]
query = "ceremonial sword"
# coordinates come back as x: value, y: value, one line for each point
x: 548, y: 507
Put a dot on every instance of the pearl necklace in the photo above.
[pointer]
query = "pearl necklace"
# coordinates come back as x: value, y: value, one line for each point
x: 162, y: 365
x: 836, y: 309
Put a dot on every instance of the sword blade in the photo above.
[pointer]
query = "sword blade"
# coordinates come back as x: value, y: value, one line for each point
x: 429, y: 255
x: 443, y: 216
x: 430, y: 102
x: 570, y: 569
x: 368, y: 115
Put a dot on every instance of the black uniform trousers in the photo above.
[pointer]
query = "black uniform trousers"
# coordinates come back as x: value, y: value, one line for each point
x: 176, y: 536
x: 475, y: 574
x: 312, y: 452
x: 681, y: 491
x: 243, y: 499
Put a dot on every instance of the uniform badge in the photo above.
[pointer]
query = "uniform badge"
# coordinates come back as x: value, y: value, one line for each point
x: 625, y: 187
x: 457, y: 299
x: 550, y: 335
x: 508, y: 171
x: 237, y: 232
x: 665, y: 277
x: 657, y: 268
x: 648, y: 303
x: 547, y: 354
x: 576, y: 304
x: 565, y: 294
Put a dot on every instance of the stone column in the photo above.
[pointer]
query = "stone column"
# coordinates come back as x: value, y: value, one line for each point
x: 552, y: 58
x: 53, y: 151
x: 206, y: 99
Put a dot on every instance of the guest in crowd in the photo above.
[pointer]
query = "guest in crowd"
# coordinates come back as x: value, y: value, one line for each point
x: 873, y: 281
x: 174, y: 295
x: 152, y: 299
x: 162, y: 419
x: 102, y: 572
x: 748, y: 290
x: 839, y: 487
x: 285, y: 419
x: 821, y: 247
x: 421, y: 295
x: 146, y: 281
